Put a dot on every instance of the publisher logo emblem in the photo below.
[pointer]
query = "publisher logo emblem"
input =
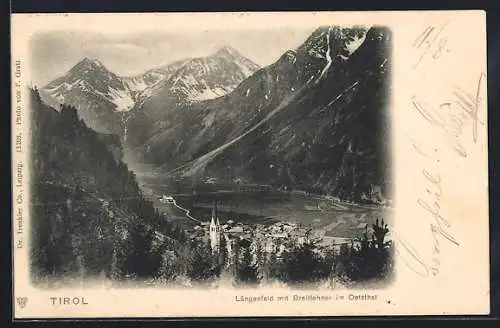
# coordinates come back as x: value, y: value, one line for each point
x: 22, y: 301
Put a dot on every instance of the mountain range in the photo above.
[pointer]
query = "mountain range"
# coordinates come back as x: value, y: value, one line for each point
x: 103, y: 98
x: 317, y: 118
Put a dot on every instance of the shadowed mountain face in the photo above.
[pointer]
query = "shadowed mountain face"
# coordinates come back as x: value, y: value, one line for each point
x: 314, y: 119
x: 210, y: 124
x: 332, y: 136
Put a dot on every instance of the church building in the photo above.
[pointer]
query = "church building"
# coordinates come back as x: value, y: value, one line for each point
x: 215, y: 230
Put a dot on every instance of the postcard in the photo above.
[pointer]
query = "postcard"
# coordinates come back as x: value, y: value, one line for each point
x: 249, y: 164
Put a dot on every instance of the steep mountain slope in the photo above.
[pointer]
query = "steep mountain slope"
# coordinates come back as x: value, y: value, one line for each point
x: 333, y: 137
x: 137, y: 84
x: 316, y: 119
x: 152, y: 80
x: 191, y: 133
x: 88, y: 215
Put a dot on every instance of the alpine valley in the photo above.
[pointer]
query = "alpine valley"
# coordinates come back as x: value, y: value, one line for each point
x: 316, y: 119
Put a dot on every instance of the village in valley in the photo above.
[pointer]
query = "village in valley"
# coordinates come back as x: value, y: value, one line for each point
x: 269, y: 252
x: 223, y: 233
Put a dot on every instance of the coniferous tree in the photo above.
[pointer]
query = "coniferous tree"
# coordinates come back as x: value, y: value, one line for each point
x: 343, y: 264
x: 372, y: 259
x: 116, y: 271
x: 183, y: 252
x: 380, y: 230
x: 140, y: 260
x: 247, y: 273
x: 202, y: 264
x: 303, y: 266
x: 272, y: 267
x: 223, y: 254
x: 169, y: 269
x: 260, y: 260
x: 235, y: 257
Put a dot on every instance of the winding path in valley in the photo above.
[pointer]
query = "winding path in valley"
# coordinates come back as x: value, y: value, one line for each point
x: 185, y: 211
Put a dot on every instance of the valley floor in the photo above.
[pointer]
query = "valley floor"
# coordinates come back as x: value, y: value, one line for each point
x: 332, y: 218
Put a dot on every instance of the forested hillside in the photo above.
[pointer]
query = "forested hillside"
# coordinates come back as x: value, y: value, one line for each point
x: 88, y: 214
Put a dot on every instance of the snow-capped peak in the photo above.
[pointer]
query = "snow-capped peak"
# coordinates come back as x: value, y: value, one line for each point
x: 91, y: 78
x: 357, y: 41
x: 90, y: 83
x: 208, y: 77
x: 92, y: 62
x: 227, y: 51
x: 339, y: 41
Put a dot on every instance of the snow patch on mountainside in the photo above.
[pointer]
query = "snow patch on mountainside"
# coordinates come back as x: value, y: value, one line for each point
x: 327, y: 56
x: 122, y: 99
x: 65, y: 85
x: 354, y: 44
x: 208, y: 94
x: 124, y: 120
x: 209, y: 120
x: 135, y: 84
x: 58, y: 92
x: 244, y: 69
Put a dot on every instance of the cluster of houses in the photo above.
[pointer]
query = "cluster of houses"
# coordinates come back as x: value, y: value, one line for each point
x: 273, y: 238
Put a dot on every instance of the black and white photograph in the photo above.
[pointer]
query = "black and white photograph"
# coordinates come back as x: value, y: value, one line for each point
x: 196, y: 159
x: 249, y: 164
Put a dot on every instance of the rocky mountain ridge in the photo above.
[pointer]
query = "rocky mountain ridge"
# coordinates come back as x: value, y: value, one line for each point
x: 104, y: 99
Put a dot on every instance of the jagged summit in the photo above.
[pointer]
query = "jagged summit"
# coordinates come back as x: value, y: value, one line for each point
x: 196, y: 80
x: 338, y: 40
x: 96, y: 92
x: 93, y: 61
x: 227, y: 51
x: 89, y: 63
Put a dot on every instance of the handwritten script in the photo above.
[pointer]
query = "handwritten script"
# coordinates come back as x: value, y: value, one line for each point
x: 431, y: 40
x: 456, y: 118
x: 452, y: 115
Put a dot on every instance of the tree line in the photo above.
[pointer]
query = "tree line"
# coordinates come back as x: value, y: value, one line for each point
x: 305, y: 264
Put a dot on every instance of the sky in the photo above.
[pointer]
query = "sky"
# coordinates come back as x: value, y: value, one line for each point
x: 54, y: 53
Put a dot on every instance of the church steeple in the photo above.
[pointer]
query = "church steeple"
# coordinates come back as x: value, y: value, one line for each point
x: 215, y: 230
x: 214, y: 212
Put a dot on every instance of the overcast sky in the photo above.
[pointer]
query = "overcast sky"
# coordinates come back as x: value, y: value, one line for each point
x: 54, y: 53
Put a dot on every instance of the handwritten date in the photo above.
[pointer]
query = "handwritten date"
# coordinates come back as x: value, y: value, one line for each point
x: 431, y: 41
